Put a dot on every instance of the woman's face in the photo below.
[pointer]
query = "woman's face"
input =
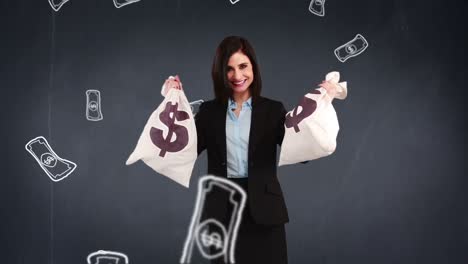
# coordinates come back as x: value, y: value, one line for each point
x: 239, y: 72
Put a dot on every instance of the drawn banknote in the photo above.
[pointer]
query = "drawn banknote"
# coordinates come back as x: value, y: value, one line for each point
x: 317, y: 7
x: 55, y: 167
x: 352, y: 48
x: 215, y: 236
x: 93, y: 105
x: 121, y: 3
x: 195, y: 105
x: 107, y: 257
x: 57, y: 4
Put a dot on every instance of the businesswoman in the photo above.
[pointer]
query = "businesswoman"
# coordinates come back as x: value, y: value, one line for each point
x: 240, y: 130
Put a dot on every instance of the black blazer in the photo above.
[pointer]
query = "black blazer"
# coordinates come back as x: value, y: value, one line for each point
x: 265, y: 197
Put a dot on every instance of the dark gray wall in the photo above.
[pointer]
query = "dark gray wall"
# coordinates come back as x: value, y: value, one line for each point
x: 393, y: 192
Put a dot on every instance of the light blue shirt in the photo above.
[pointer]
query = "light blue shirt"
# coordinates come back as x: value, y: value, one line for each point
x: 237, y: 138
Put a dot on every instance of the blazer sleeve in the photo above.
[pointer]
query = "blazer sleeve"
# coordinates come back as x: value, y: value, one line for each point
x: 200, y: 122
x: 280, y: 124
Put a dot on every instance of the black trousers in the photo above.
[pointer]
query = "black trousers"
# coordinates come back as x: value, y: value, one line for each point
x: 257, y: 244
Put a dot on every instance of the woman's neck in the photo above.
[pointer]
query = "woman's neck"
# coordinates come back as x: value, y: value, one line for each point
x: 239, y: 98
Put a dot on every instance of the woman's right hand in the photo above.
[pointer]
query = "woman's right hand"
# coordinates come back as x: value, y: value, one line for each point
x: 171, y: 83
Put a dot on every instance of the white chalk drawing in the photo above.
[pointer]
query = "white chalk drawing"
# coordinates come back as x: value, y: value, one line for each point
x: 55, y: 167
x: 121, y: 3
x: 206, y: 238
x: 213, y: 239
x: 234, y: 1
x: 317, y: 7
x: 93, y: 105
x: 107, y: 257
x: 352, y: 48
x: 195, y: 105
x: 57, y: 4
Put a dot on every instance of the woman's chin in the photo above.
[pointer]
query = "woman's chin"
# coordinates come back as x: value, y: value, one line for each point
x: 239, y: 89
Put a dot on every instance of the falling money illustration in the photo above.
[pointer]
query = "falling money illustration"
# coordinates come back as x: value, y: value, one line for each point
x: 352, y: 48
x: 121, y: 3
x: 317, y: 7
x: 55, y: 167
x: 93, y: 105
x: 215, y: 236
x: 195, y: 106
x: 312, y: 126
x: 168, y: 143
x: 107, y: 257
x: 57, y: 4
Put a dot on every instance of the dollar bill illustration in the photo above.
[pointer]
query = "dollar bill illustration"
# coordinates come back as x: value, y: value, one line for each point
x: 93, y: 105
x: 195, y: 105
x: 107, y: 257
x: 121, y: 3
x: 55, y: 167
x: 57, y: 4
x: 317, y: 7
x: 215, y: 236
x: 352, y: 48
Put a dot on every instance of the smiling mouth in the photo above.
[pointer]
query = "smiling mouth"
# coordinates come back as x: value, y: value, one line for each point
x: 239, y: 84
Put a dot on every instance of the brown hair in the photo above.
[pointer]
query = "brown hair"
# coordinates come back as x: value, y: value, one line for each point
x: 226, y: 48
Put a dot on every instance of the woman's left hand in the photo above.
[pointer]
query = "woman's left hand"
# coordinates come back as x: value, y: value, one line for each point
x: 330, y: 87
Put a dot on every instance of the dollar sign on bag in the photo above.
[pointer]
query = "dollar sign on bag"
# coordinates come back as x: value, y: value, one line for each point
x: 308, y: 107
x: 168, y: 117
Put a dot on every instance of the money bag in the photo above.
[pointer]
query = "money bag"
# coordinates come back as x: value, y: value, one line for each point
x: 312, y: 126
x: 168, y: 143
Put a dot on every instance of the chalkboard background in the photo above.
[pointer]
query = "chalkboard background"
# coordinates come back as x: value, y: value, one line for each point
x: 393, y: 192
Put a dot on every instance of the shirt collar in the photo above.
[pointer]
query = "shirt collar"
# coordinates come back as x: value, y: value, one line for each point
x: 248, y: 103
